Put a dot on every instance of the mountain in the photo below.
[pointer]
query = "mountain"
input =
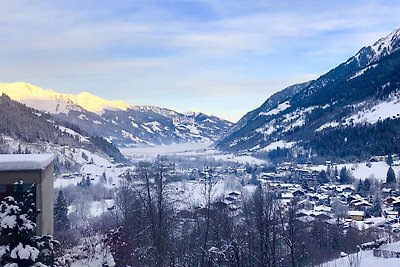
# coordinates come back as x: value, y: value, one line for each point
x: 121, y: 123
x: 338, y: 115
x: 25, y: 130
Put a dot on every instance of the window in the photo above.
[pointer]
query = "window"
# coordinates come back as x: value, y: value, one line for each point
x: 3, y: 188
x: 22, y: 188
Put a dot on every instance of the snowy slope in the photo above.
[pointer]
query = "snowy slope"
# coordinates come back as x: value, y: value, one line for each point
x: 366, y: 259
x: 117, y: 121
x: 362, y: 90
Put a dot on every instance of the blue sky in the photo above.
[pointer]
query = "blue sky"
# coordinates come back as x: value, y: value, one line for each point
x: 222, y: 57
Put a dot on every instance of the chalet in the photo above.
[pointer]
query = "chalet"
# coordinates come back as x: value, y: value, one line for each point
x: 361, y: 205
x: 35, y: 171
x: 234, y: 194
x: 356, y: 215
x: 306, y: 204
x: 390, y: 200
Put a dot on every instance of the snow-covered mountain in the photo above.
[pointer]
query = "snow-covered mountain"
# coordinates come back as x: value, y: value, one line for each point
x: 322, y: 114
x: 54, y: 102
x: 27, y: 130
x: 121, y: 123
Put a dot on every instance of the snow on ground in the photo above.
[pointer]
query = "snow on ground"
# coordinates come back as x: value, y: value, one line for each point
x: 153, y: 151
x: 370, y: 222
x: 328, y: 125
x: 80, y: 137
x: 280, y: 144
x: 95, y: 208
x: 361, y: 72
x: 366, y: 259
x: 99, y: 207
x: 377, y: 170
x: 381, y: 111
x: 281, y: 107
x: 191, y: 193
x: 187, y: 150
x: 92, y: 165
x: 240, y: 158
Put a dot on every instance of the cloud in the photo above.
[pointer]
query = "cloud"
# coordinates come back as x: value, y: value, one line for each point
x: 182, y: 54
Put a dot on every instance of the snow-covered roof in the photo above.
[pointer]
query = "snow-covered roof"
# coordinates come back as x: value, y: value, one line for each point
x: 355, y: 213
x: 19, y: 162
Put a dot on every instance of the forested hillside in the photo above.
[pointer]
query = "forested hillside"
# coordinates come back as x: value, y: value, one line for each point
x: 19, y: 122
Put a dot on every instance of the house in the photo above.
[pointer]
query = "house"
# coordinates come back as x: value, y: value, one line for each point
x: 361, y: 204
x: 34, y: 170
x: 234, y: 194
x: 356, y: 215
x: 390, y: 200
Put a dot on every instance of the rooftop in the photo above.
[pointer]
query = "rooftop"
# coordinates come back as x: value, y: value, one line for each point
x: 21, y: 162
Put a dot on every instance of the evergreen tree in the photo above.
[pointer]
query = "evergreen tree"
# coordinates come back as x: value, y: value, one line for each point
x: 84, y: 156
x: 390, y: 177
x: 322, y: 177
x: 61, y: 220
x: 335, y: 172
x: 376, y: 209
x: 85, y: 182
x: 344, y: 177
x: 22, y: 248
x: 366, y: 187
x: 19, y: 150
x: 103, y: 178
x: 360, y: 187
x: 329, y: 171
x: 389, y: 160
x: 88, y: 182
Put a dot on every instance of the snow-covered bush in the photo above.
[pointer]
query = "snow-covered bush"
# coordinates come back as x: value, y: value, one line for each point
x: 22, y: 248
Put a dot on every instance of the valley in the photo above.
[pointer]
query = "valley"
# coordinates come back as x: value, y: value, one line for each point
x: 311, y: 177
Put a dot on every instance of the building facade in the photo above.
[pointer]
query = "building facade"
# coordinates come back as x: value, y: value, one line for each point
x: 34, y: 171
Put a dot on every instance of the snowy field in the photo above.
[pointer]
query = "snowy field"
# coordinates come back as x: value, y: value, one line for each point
x: 366, y: 259
x: 94, y: 166
x: 187, y: 150
x: 378, y: 170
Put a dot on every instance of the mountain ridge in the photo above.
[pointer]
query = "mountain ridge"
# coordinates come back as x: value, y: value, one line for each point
x: 363, y: 90
x: 120, y: 123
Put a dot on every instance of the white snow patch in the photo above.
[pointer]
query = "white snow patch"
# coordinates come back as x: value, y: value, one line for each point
x: 280, y: 144
x: 381, y: 111
x: 361, y: 72
x: 332, y: 124
x: 366, y: 259
x: 281, y: 107
x: 72, y: 132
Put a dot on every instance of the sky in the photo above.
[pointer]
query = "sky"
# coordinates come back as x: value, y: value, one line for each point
x: 221, y: 57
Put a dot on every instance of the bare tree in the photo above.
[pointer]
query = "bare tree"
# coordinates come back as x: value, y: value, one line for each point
x: 291, y: 234
x: 265, y: 209
x: 208, y: 189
